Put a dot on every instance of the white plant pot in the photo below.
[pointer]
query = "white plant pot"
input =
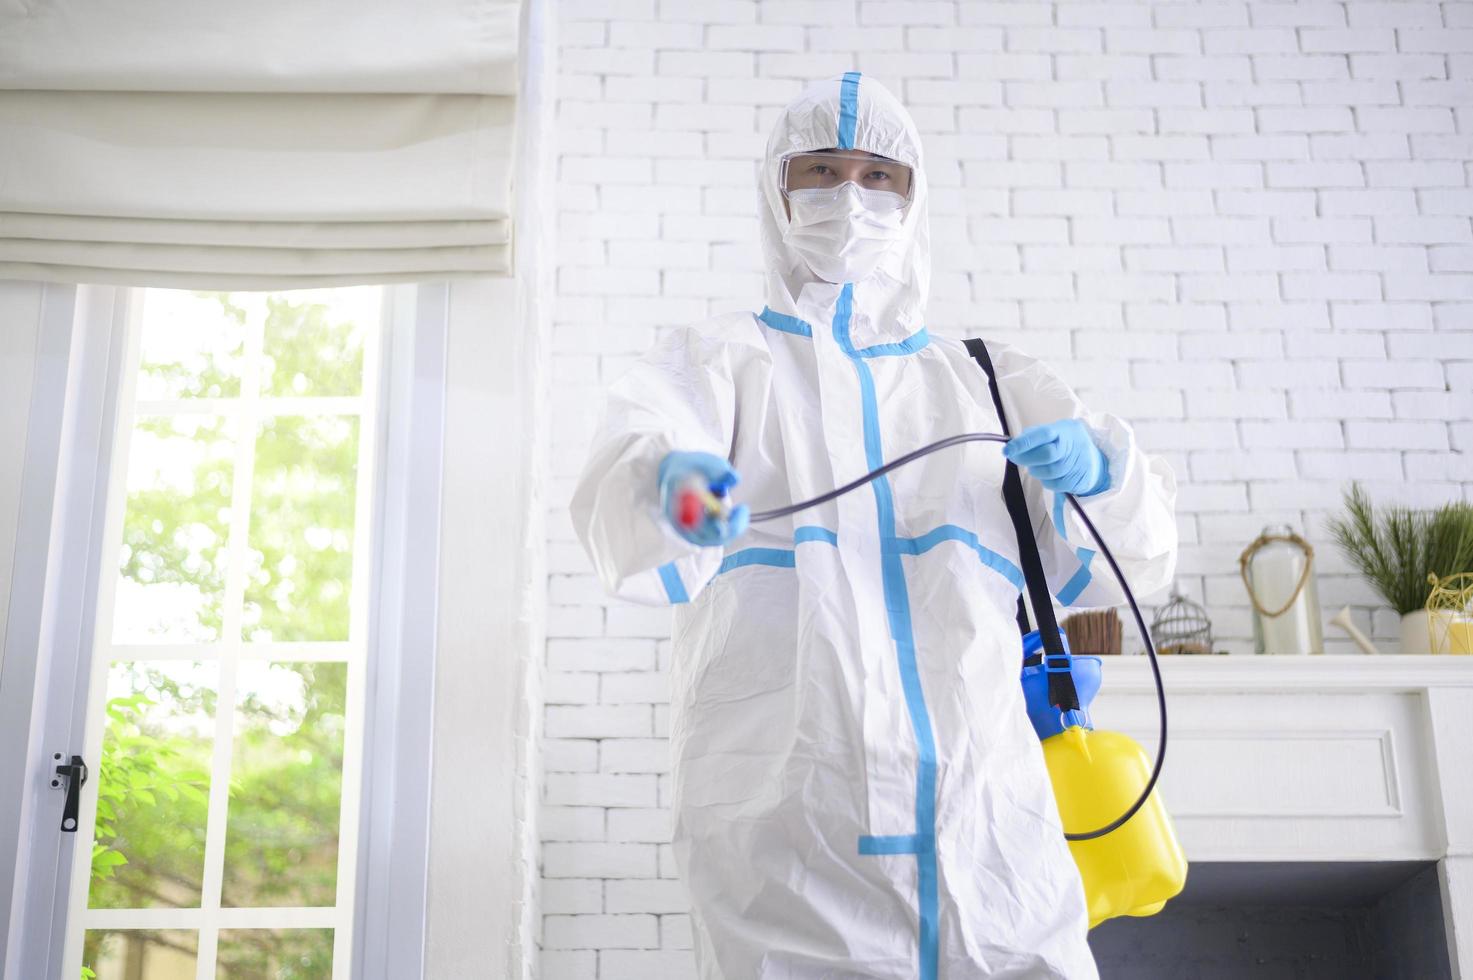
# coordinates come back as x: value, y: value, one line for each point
x: 1416, y: 633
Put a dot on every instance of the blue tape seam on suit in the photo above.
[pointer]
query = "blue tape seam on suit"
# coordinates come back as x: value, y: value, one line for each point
x: 848, y: 109
x: 778, y: 557
x: 811, y: 532
x: 950, y: 532
x: 674, y: 587
x: 784, y: 558
x: 800, y: 328
x: 1081, y: 578
x: 784, y: 323
x: 897, y: 609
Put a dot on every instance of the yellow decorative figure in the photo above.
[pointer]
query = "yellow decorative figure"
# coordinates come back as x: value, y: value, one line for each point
x: 1097, y: 776
x: 1450, y: 613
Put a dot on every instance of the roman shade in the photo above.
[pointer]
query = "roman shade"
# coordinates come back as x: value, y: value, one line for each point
x: 205, y: 144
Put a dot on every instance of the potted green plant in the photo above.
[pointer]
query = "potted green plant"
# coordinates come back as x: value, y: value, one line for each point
x: 1395, y: 548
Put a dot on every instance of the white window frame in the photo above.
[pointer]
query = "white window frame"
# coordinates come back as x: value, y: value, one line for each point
x: 81, y: 378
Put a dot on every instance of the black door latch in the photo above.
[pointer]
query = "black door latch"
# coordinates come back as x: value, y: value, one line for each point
x: 72, y: 776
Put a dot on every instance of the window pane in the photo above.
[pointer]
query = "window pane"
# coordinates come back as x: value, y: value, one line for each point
x: 281, y: 845
x: 239, y: 529
x: 193, y: 345
x: 176, y: 529
x: 275, y: 954
x: 314, y: 341
x: 301, y: 537
x: 153, y: 786
x: 133, y: 954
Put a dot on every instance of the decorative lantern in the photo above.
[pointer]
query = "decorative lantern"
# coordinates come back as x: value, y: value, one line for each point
x: 1181, y: 626
x: 1278, y: 572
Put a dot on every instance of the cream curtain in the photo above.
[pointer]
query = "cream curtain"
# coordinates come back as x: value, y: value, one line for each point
x: 205, y: 144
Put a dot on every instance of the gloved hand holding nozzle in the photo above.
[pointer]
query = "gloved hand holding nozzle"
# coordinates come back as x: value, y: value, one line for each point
x: 693, y: 498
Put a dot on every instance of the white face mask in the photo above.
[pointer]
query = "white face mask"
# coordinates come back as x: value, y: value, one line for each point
x: 843, y: 232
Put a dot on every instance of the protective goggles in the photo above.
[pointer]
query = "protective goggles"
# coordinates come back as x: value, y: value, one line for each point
x: 831, y: 171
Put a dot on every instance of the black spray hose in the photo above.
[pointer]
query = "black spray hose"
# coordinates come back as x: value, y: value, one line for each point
x: 1135, y: 609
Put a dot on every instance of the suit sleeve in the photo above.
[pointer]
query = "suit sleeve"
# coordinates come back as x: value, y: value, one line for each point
x: 1136, y: 514
x: 680, y: 395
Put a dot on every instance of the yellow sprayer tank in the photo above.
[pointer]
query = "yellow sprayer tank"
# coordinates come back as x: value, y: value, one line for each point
x: 1097, y: 776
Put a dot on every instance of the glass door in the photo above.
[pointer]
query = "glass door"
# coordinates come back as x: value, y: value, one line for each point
x: 225, y: 710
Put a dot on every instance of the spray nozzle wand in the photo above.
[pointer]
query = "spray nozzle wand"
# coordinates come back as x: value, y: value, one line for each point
x: 697, y: 501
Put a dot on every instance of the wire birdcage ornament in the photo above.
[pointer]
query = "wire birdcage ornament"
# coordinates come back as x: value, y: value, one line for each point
x: 1181, y: 626
x: 1450, y: 612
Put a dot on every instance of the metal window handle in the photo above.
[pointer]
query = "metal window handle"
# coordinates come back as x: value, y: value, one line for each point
x: 72, y: 776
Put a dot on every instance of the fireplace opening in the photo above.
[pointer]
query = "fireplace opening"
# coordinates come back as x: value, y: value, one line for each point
x: 1344, y: 920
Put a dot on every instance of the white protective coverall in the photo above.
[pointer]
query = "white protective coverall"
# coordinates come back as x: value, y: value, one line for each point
x: 857, y: 789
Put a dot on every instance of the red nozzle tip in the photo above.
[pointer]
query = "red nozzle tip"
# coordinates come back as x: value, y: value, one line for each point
x: 689, y: 509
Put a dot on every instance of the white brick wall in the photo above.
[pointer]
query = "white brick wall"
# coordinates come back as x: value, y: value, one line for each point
x: 1243, y: 225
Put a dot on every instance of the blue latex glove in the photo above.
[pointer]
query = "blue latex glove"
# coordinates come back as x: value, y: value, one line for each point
x: 1062, y: 456
x: 677, y: 471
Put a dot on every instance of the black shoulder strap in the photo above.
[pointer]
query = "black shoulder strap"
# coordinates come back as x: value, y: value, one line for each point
x: 1061, y: 682
x: 1016, y: 505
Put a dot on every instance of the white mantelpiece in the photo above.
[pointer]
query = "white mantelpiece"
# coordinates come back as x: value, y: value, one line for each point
x: 1332, y: 758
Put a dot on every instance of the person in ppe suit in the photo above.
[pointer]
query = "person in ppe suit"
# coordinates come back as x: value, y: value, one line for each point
x: 857, y: 789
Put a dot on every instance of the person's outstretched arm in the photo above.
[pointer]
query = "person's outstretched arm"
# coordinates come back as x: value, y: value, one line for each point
x: 680, y: 397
